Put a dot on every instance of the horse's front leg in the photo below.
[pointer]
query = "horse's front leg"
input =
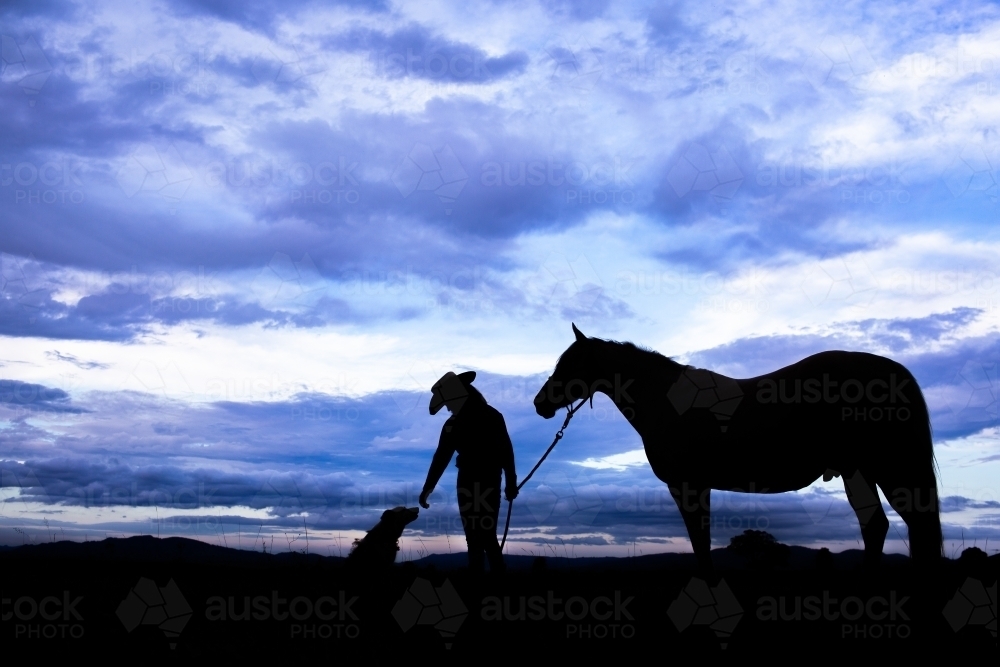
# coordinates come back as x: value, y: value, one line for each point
x: 695, y: 503
x: 863, y: 496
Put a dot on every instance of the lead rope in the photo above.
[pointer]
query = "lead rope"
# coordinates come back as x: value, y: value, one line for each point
x: 510, y: 503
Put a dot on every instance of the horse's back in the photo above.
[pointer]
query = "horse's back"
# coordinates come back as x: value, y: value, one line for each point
x: 837, y: 362
x: 832, y: 410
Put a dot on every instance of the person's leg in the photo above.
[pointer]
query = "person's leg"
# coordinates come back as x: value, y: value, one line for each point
x: 473, y: 538
x: 470, y: 522
x: 494, y: 554
x: 490, y: 525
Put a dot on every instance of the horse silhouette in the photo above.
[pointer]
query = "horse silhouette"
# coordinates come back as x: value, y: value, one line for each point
x: 849, y: 414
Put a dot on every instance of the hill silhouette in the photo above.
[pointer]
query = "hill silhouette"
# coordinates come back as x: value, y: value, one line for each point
x: 186, y: 599
x: 148, y: 549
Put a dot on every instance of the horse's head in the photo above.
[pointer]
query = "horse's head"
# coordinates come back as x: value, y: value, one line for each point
x: 575, y: 377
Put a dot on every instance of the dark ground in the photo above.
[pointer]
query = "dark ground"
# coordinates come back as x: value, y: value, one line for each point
x: 67, y: 599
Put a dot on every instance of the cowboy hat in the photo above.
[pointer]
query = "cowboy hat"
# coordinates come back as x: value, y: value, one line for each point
x: 451, y: 388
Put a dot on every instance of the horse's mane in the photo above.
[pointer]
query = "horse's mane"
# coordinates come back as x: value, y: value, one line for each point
x: 650, y: 356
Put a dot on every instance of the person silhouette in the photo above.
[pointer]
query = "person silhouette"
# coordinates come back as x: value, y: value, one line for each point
x: 477, y: 431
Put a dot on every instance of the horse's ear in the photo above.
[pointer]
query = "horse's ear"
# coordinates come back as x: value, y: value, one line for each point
x: 579, y: 334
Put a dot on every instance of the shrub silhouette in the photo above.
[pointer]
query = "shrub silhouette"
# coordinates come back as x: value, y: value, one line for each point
x: 759, y: 548
x: 824, y: 559
x: 973, y: 556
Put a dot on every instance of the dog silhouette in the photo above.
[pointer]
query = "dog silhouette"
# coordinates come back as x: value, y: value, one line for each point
x: 379, y: 547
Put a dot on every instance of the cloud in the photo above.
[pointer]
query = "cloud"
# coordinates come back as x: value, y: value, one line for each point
x: 413, y: 51
x: 618, y: 462
x: 84, y: 365
x: 24, y: 397
x: 906, y: 332
x: 120, y: 313
x: 261, y: 16
x: 578, y: 11
x: 189, y: 186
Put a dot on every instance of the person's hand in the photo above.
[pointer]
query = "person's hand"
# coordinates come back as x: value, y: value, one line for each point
x: 510, y: 492
x: 423, y: 500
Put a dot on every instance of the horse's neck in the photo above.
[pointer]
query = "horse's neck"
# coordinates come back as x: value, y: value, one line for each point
x: 640, y: 389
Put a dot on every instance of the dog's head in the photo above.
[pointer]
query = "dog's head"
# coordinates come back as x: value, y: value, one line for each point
x: 399, y: 517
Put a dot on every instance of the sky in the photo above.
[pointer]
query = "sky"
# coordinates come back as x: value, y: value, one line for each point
x: 238, y: 245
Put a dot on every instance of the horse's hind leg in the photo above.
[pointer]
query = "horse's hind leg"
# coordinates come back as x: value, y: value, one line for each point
x: 917, y: 504
x: 863, y: 496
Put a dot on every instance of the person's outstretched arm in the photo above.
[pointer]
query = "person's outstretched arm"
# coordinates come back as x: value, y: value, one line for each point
x: 442, y: 457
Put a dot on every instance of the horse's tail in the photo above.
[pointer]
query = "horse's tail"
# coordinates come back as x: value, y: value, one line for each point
x: 923, y: 516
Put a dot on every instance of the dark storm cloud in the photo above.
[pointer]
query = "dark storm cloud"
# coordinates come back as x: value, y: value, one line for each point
x: 414, y: 51
x: 24, y: 397
x: 456, y: 168
x: 511, y: 172
x: 343, y: 460
x: 959, y: 504
x: 20, y: 9
x: 259, y: 16
x: 495, y: 182
x: 781, y: 203
x: 119, y: 314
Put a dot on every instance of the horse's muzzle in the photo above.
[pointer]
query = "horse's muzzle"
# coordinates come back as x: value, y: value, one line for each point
x: 542, y: 407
